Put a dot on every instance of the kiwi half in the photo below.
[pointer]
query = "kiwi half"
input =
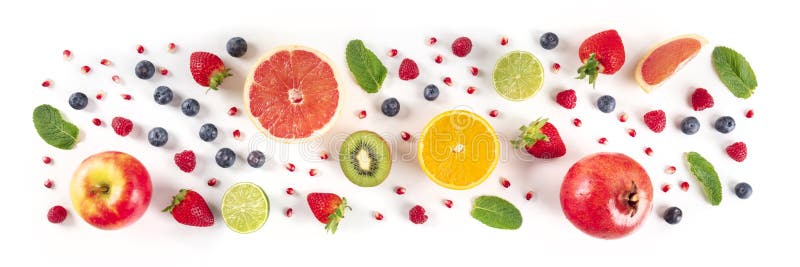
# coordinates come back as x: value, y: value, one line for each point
x: 365, y: 158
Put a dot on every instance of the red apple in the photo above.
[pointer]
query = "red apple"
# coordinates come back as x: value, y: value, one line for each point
x: 606, y: 195
x: 111, y: 190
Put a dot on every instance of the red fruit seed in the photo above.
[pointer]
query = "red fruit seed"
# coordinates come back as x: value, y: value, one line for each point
x: 96, y: 122
x: 212, y: 182
x: 105, y: 62
x: 648, y: 151
x: 432, y: 41
x: 602, y: 140
x: 556, y: 67
x: 504, y: 182
x: 232, y: 111
x: 749, y: 113
x: 503, y: 41
x: 100, y: 95
x: 405, y: 136
x: 116, y: 79
x: 289, y: 167
x: 290, y: 191
x: 126, y: 96
x: 46, y: 160
x: 685, y: 186
x: 623, y: 117
x: 47, y: 83
x: 312, y: 172
x: 323, y: 155
x: 670, y: 170
x: 577, y: 122
x: 473, y: 70
x: 140, y: 49
x: 493, y: 113
x: 438, y: 59
x: 171, y: 47
x: 632, y: 132
x: 85, y: 69
x: 470, y: 90
x: 448, y: 81
x: 48, y: 183
x: 362, y: 114
x: 665, y: 188
x: 392, y: 52
x: 67, y: 54
x: 378, y: 216
x: 448, y: 203
x: 529, y: 195
x: 400, y: 190
x: 164, y: 71
x: 237, y: 134
x: 289, y: 212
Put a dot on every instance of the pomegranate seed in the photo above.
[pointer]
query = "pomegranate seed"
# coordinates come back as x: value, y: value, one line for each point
x: 126, y: 96
x: 504, y: 182
x: 448, y: 203
x: 67, y: 54
x: 470, y: 90
x: 96, y: 122
x: 432, y: 41
x: 237, y: 134
x: 289, y: 212
x: 556, y: 67
x: 48, y: 183
x: 290, y: 191
x: 105, y: 62
x: 140, y: 49
x: 46, y: 160
x: 362, y: 114
x: 116, y: 79
x: 623, y: 117
x: 47, y: 83
x: 685, y: 186
x: 378, y: 216
x: 503, y: 41
x: 164, y: 71
x: 670, y: 170
x: 171, y: 47
x: 577, y: 122
x: 665, y: 188
x: 289, y: 167
x: 473, y: 70
x: 400, y: 190
x: 392, y: 52
x: 323, y: 155
x: 648, y: 151
x: 632, y: 132
x: 85, y: 69
x: 493, y: 113
x: 448, y: 81
x: 602, y: 140
x: 312, y: 172
x: 529, y: 195
x: 232, y: 111
x: 405, y: 136
x: 749, y: 113
x: 212, y: 182
x: 438, y: 59
x: 100, y: 95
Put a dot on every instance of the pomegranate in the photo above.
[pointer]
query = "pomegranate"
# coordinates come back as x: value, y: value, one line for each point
x: 606, y: 195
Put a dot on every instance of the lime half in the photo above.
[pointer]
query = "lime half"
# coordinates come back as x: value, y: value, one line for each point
x: 518, y: 75
x: 245, y: 207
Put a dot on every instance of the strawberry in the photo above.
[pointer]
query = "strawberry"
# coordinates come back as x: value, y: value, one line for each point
x: 208, y: 69
x: 541, y: 139
x: 737, y: 151
x: 189, y: 208
x: 328, y: 208
x: 656, y: 120
x: 601, y: 53
x: 701, y: 99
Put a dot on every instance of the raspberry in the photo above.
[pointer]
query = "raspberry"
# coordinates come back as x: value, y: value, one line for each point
x: 57, y: 214
x: 122, y: 126
x: 417, y: 215
x: 567, y: 98
x: 737, y: 151
x: 461, y: 46
x: 408, y: 70
x: 701, y: 99
x: 656, y: 120
x: 185, y: 161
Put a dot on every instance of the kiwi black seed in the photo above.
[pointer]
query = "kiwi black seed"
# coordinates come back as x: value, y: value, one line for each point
x: 365, y: 158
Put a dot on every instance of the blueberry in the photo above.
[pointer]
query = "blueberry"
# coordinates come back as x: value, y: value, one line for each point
x: 157, y: 136
x: 78, y: 100
x: 162, y: 95
x: 431, y: 92
x: 145, y: 70
x: 225, y: 157
x: 690, y: 125
x: 256, y: 159
x: 673, y: 215
x: 743, y: 190
x: 725, y: 124
x: 190, y: 107
x: 390, y: 107
x: 208, y: 132
x: 549, y: 40
x: 606, y: 103
x: 236, y: 47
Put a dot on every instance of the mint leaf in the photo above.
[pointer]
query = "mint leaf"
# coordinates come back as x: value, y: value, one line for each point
x: 365, y: 66
x: 496, y: 212
x: 734, y: 71
x: 53, y: 128
x: 705, y: 173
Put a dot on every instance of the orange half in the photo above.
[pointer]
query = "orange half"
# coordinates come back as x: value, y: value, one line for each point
x: 666, y: 58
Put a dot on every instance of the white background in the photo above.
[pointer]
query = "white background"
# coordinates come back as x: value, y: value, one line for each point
x: 736, y: 233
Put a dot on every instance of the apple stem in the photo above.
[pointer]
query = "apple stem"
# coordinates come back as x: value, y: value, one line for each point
x: 632, y: 199
x: 100, y: 189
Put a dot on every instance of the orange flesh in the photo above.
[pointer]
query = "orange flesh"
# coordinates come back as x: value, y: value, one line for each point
x: 293, y: 94
x: 665, y: 60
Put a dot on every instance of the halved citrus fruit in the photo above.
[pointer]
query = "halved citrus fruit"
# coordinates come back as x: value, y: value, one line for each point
x: 245, y: 207
x: 458, y: 149
x: 292, y: 94
x: 666, y: 58
x: 518, y: 75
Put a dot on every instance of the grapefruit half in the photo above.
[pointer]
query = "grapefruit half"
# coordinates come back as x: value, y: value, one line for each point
x: 666, y: 58
x: 293, y: 94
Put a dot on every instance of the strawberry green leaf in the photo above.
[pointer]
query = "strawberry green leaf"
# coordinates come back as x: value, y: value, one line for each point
x: 53, y: 129
x: 367, y: 69
x: 705, y: 173
x: 589, y: 69
x: 531, y: 134
x: 496, y: 212
x: 734, y: 71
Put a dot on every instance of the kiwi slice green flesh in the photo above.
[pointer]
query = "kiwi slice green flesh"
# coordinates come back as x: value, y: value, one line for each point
x: 365, y: 158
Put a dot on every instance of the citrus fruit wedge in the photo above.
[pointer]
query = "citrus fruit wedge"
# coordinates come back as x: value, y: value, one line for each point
x: 292, y: 94
x: 666, y: 58
x: 518, y: 75
x: 458, y: 149
x: 245, y: 207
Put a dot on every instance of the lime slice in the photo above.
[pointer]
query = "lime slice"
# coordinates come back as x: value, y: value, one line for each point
x: 518, y: 75
x: 245, y: 207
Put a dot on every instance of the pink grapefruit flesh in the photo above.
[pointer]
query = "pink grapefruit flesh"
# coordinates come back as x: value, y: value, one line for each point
x: 666, y: 58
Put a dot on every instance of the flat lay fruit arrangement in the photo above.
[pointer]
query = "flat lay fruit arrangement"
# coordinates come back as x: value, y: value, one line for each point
x: 294, y: 95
